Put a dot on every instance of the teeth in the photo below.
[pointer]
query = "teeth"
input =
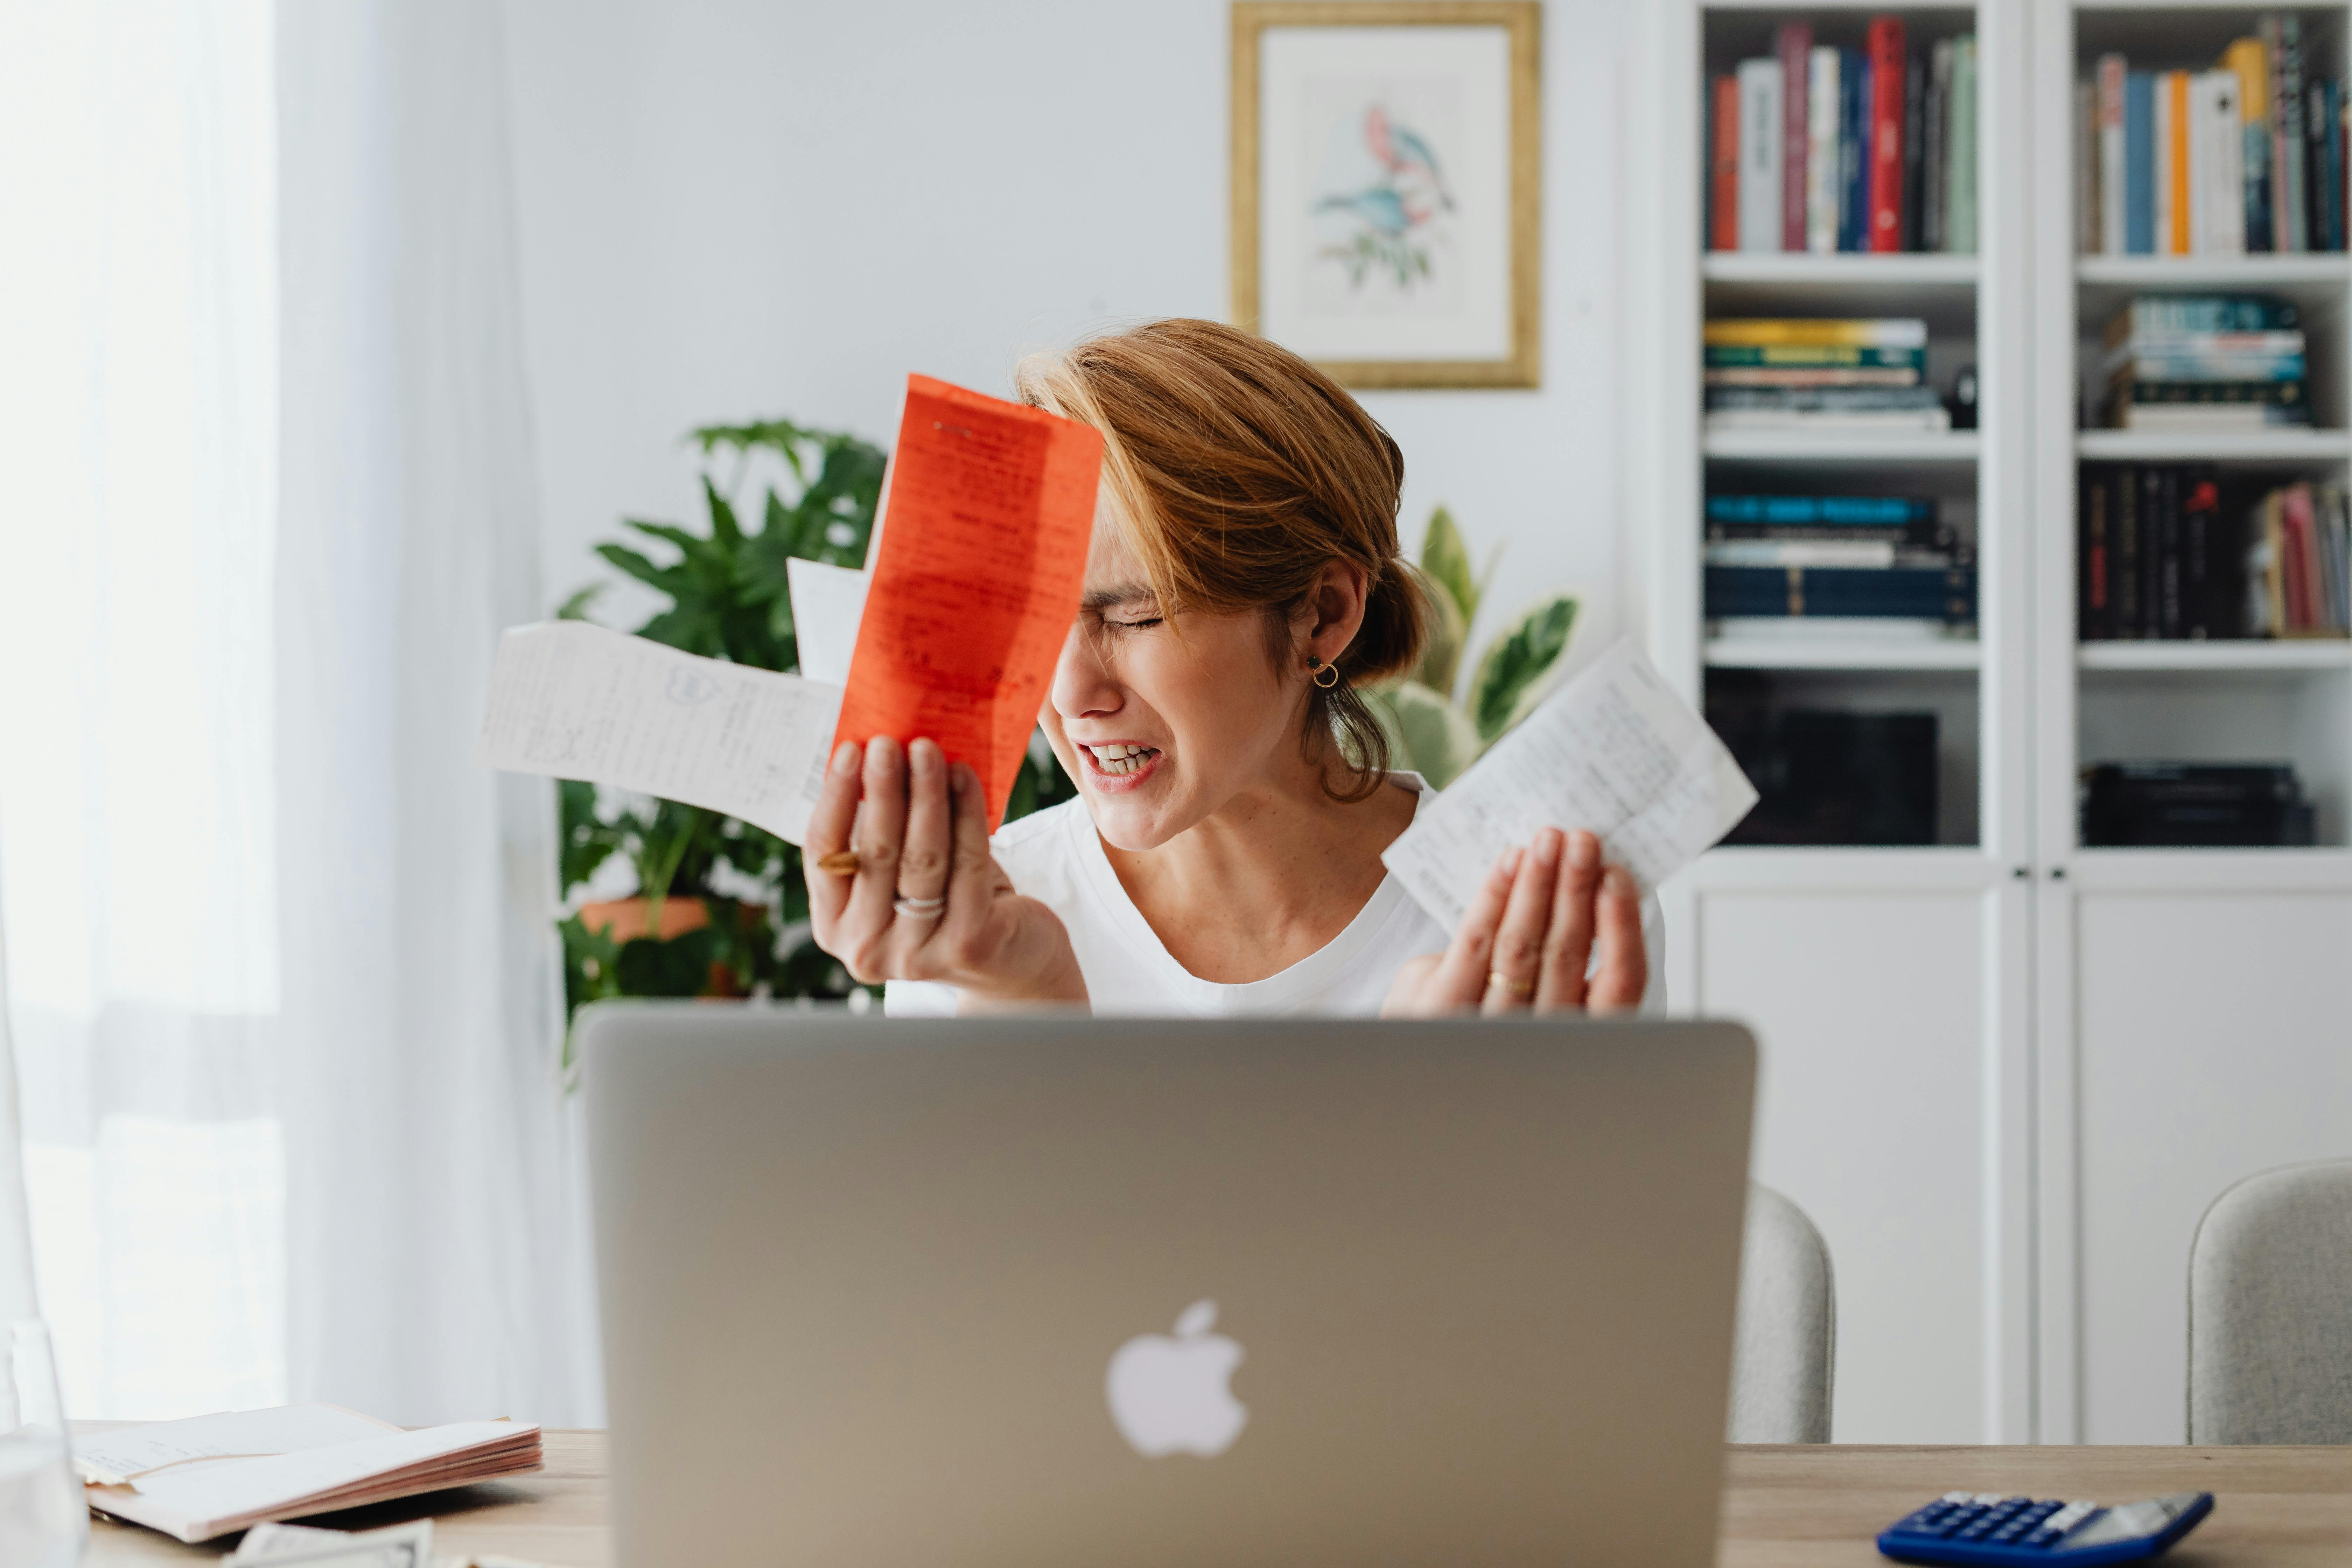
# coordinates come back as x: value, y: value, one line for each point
x: 1122, y: 759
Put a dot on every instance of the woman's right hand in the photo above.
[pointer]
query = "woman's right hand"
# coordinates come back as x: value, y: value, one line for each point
x: 921, y: 830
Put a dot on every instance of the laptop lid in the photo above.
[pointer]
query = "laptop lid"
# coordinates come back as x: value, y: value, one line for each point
x: 1064, y: 1292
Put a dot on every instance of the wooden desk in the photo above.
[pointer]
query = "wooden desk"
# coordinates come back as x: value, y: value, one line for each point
x: 1782, y: 1508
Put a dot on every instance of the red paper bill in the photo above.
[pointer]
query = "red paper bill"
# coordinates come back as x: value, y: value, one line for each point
x: 975, y: 580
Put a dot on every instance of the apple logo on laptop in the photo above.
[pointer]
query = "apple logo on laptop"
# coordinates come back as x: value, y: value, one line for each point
x: 1170, y: 1395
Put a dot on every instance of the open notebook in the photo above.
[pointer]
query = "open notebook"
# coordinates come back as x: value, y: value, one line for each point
x: 210, y: 1475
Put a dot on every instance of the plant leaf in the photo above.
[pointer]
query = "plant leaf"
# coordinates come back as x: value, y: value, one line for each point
x: 1440, y: 661
x: 575, y: 608
x: 1426, y: 733
x: 1448, y: 564
x: 1513, y: 668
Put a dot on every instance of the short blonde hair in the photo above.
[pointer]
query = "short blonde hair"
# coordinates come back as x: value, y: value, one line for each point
x: 1241, y: 472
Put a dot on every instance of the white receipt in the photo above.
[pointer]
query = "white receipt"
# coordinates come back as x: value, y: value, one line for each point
x: 827, y: 603
x: 574, y: 701
x: 1614, y: 752
x: 130, y: 1452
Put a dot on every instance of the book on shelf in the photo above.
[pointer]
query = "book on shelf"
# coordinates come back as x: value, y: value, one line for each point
x: 1916, y: 409
x: 2295, y: 567
x: 1819, y: 375
x: 1723, y: 189
x: 2204, y: 363
x: 1948, y: 593
x: 2161, y: 554
x: 1843, y: 630
x: 1838, y: 149
x: 2166, y: 804
x: 1826, y: 776
x: 1759, y: 155
x: 2246, y: 155
x: 1792, y: 45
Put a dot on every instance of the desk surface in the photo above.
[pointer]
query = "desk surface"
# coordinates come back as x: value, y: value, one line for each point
x: 1781, y: 1507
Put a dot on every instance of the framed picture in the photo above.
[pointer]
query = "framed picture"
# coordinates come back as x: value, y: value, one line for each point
x: 1387, y: 171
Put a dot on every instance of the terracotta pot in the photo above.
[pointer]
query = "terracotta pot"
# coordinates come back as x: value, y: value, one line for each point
x: 624, y: 920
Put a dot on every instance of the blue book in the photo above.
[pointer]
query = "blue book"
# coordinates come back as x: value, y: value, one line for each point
x: 2140, y: 163
x: 1853, y: 150
x: 1927, y: 593
x: 1820, y: 510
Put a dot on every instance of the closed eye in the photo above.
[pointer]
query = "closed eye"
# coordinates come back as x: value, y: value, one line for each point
x: 1134, y: 625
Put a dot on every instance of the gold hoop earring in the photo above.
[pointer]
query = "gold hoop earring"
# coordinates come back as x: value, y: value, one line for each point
x: 1320, y: 670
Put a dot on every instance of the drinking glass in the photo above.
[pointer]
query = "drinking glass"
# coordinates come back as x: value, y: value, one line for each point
x: 43, y: 1522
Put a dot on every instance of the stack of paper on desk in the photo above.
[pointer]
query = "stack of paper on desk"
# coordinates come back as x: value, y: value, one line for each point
x: 213, y: 1474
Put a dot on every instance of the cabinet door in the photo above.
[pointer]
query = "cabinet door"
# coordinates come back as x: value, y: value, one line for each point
x: 1877, y: 1010
x: 2213, y: 1039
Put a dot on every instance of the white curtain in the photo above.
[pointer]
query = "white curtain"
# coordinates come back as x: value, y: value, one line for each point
x: 285, y: 995
x: 437, y: 1242
x: 137, y: 469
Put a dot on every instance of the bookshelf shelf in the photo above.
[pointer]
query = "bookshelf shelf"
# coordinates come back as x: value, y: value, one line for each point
x: 1796, y: 447
x: 2286, y: 654
x: 1742, y: 653
x: 2229, y: 273
x: 1903, y: 271
x: 2306, y: 446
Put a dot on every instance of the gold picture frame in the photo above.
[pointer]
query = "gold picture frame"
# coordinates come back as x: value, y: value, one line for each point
x: 1520, y: 362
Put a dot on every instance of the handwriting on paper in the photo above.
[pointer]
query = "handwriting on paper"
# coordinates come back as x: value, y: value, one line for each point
x: 975, y: 578
x: 1614, y: 752
x: 574, y: 701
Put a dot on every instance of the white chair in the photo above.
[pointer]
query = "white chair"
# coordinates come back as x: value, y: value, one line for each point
x: 2269, y: 1309
x: 1785, y: 1357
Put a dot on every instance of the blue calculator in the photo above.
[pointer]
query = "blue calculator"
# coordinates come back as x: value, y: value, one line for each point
x: 1986, y: 1527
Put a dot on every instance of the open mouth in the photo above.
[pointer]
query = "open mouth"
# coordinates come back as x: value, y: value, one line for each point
x: 1119, y: 760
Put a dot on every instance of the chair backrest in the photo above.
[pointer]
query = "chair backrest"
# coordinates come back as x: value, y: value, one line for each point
x: 1786, y: 1355
x: 2269, y: 1309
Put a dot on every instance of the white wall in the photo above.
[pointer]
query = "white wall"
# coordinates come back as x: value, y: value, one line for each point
x: 733, y: 208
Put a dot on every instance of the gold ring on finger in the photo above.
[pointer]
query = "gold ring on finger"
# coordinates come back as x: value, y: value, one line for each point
x: 1522, y: 989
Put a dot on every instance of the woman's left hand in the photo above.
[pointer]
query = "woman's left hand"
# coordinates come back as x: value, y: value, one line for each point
x: 1528, y: 942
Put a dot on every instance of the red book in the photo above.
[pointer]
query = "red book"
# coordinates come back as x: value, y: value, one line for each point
x: 1886, y: 70
x: 1723, y: 232
x: 1794, y: 44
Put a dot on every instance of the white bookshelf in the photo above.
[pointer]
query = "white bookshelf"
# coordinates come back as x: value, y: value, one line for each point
x: 2003, y: 1073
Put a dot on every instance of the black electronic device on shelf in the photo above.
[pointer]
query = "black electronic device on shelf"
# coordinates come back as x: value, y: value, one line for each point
x: 2194, y: 805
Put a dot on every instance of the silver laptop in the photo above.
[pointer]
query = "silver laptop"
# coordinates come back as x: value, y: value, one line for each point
x: 1074, y: 1293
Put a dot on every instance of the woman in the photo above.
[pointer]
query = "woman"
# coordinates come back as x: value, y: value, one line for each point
x: 1223, y: 855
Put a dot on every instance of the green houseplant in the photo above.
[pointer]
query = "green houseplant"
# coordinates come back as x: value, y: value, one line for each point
x: 1430, y: 731
x: 721, y: 907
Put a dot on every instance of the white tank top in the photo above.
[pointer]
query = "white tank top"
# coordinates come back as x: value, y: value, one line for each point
x: 1055, y: 856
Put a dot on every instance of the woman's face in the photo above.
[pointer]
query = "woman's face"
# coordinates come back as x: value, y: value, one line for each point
x: 1161, y: 730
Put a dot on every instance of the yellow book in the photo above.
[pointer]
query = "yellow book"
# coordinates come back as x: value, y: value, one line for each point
x: 1755, y: 332
x: 2175, y: 85
x: 2244, y: 56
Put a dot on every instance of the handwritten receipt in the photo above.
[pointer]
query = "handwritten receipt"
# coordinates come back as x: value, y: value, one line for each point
x: 1615, y: 752
x: 976, y: 578
x: 574, y: 701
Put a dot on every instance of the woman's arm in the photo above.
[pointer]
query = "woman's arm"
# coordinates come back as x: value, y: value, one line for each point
x: 928, y: 901
x: 1530, y: 940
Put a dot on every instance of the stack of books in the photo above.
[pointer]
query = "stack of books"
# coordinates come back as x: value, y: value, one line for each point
x: 1821, y: 375
x: 2297, y: 565
x: 2193, y: 804
x: 2162, y: 557
x: 1874, y: 565
x: 2205, y: 364
x: 1825, y: 149
x: 2249, y: 155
